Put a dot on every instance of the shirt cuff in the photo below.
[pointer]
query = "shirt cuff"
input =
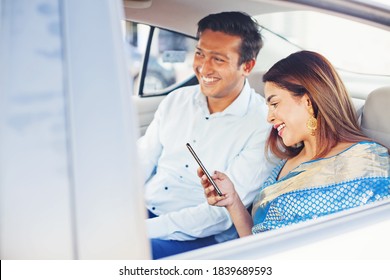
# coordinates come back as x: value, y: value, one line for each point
x: 157, y: 227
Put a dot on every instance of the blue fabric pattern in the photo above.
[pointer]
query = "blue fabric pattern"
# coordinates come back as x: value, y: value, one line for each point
x: 356, y: 176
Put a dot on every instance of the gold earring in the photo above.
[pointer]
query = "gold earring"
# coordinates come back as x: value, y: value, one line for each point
x: 312, y: 122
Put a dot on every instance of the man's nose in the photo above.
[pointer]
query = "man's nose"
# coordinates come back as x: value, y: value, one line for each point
x: 205, y: 67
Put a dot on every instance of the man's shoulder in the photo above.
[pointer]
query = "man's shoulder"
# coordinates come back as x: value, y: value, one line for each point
x: 184, y: 92
x: 257, y: 104
x: 181, y: 95
x: 257, y: 97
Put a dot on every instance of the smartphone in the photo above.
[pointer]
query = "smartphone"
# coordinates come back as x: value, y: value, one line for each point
x: 204, y: 169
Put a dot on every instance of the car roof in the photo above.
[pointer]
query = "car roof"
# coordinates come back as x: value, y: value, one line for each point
x: 184, y: 14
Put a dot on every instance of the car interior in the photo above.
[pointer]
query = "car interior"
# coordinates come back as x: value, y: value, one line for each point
x: 81, y: 81
x: 366, y: 91
x: 276, y: 47
x: 375, y: 115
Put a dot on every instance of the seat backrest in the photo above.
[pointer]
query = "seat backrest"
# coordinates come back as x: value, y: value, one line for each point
x: 359, y: 105
x: 255, y: 79
x: 376, y: 116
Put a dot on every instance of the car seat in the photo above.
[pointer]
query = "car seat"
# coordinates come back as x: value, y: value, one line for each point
x: 376, y: 116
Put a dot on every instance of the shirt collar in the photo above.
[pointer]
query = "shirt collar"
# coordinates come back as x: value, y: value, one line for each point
x: 239, y: 107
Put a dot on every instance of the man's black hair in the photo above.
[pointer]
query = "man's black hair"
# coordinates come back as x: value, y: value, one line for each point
x: 236, y: 24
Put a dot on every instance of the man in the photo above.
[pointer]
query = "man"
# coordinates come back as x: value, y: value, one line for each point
x: 225, y: 122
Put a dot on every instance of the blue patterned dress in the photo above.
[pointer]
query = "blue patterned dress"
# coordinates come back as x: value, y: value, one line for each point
x: 359, y: 175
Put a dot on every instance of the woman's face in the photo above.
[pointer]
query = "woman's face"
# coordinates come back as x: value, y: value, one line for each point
x: 287, y: 113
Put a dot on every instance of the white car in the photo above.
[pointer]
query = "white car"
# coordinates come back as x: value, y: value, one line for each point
x: 70, y: 184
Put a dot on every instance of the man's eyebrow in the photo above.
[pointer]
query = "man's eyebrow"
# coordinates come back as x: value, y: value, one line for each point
x: 270, y: 97
x: 219, y: 54
x: 213, y: 52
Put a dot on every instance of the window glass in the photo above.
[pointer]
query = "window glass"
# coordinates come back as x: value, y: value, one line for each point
x: 349, y: 45
x: 169, y: 60
x: 274, y: 49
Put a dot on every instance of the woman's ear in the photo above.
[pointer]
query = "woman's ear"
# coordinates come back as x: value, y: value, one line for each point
x: 307, y: 100
x: 308, y: 104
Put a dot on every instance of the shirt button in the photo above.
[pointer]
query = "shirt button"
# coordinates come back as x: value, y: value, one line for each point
x: 153, y: 208
x: 206, y: 118
x: 186, y: 165
x: 166, y: 188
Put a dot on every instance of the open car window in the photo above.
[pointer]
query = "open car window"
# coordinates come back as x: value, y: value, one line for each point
x: 162, y: 57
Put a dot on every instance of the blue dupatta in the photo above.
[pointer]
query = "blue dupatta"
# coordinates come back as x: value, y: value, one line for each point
x: 356, y: 176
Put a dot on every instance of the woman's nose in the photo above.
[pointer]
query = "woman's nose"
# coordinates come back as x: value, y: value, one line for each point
x: 270, y: 116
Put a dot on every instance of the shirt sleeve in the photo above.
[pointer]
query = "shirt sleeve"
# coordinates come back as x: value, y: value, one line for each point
x: 247, y: 170
x: 251, y: 167
x: 149, y: 146
x: 189, y: 223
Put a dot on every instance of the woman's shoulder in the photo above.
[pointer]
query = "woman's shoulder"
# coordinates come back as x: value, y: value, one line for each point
x: 368, y: 147
x: 369, y: 155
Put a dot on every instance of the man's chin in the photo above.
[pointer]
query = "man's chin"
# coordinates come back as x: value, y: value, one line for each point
x: 208, y: 91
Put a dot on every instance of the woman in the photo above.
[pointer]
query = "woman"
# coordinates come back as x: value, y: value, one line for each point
x: 327, y: 164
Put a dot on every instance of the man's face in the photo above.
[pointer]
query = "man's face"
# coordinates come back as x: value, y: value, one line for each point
x: 216, y: 65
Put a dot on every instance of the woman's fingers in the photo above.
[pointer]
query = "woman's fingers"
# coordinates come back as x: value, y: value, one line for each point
x: 204, y: 181
x: 212, y: 197
x: 208, y: 190
x: 200, y: 172
x: 214, y: 200
x: 218, y: 175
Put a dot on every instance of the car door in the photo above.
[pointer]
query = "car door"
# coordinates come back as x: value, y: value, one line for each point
x: 69, y: 177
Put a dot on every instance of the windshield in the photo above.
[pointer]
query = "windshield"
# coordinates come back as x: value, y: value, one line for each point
x: 349, y: 45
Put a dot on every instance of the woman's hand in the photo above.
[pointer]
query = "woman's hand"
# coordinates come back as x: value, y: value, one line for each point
x: 230, y: 199
x: 224, y: 183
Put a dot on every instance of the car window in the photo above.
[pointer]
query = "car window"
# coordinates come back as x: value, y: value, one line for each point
x: 358, y: 51
x: 349, y: 45
x: 275, y: 48
x: 159, y: 59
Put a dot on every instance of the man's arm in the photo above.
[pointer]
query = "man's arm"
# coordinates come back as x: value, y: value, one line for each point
x: 149, y: 146
x: 251, y: 167
x: 247, y: 170
x: 189, y: 223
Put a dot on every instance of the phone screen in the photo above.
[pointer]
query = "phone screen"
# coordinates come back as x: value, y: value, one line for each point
x: 204, y: 169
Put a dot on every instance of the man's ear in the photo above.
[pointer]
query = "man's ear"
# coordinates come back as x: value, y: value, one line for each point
x: 248, y: 66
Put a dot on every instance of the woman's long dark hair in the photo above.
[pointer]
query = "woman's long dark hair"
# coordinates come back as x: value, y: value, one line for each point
x: 310, y: 73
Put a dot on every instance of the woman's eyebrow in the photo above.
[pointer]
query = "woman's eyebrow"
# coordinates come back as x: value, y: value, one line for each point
x: 269, y: 98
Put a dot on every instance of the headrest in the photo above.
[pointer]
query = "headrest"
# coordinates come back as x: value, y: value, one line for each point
x: 376, y: 116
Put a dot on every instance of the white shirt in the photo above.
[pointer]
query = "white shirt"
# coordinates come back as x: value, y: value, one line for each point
x: 231, y: 141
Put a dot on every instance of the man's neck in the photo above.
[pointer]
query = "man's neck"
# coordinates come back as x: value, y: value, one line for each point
x: 216, y: 105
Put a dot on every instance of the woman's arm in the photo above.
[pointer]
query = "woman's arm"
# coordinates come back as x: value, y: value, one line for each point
x: 241, y: 218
